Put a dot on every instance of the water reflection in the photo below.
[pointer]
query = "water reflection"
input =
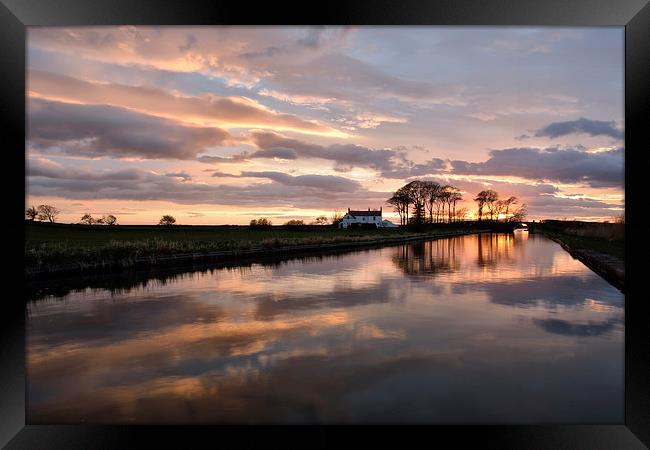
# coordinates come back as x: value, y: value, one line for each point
x: 430, y: 257
x: 474, y: 329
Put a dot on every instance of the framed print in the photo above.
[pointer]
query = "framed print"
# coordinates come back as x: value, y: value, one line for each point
x: 416, y: 215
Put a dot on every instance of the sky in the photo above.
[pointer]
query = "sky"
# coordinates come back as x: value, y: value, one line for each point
x: 220, y: 125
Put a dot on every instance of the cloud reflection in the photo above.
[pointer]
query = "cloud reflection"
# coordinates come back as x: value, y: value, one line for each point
x: 417, y: 333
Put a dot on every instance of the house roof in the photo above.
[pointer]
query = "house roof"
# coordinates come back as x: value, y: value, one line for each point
x: 365, y: 213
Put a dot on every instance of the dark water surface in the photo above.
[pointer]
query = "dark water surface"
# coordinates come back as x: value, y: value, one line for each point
x: 496, y: 328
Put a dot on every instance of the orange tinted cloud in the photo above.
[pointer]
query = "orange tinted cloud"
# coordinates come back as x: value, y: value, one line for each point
x: 206, y: 110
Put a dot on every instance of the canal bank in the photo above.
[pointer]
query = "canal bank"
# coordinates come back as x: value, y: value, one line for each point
x: 607, y: 265
x: 249, y: 254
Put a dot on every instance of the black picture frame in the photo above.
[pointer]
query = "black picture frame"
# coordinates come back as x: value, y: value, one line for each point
x: 16, y: 15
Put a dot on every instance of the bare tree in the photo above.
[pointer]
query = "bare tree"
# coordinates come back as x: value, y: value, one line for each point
x: 110, y: 220
x: 486, y: 199
x: 87, y: 219
x: 31, y: 213
x: 450, y: 195
x: 520, y: 214
x: 167, y: 220
x: 461, y: 214
x: 491, y: 200
x: 321, y: 220
x: 337, y: 216
x: 295, y: 222
x: 445, y: 195
x: 100, y: 221
x: 480, y: 199
x: 425, y: 197
x: 455, y: 196
x: 48, y: 212
x: 512, y: 200
x: 417, y: 191
x: 261, y: 222
x: 401, y: 200
x: 499, y: 208
x: 432, y: 190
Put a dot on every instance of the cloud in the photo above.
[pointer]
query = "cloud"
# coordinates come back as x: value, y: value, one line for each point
x: 526, y: 43
x: 358, y: 82
x: 45, y: 178
x: 302, y: 61
x: 41, y: 167
x: 603, y: 169
x: 567, y: 328
x: 272, y: 145
x: 277, y: 152
x: 223, y: 159
x: 409, y: 169
x: 327, y: 182
x: 96, y: 131
x: 183, y: 175
x: 210, y: 51
x: 582, y: 125
x: 207, y: 109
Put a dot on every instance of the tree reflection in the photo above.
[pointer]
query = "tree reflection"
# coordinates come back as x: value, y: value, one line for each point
x: 493, y: 247
x: 430, y: 257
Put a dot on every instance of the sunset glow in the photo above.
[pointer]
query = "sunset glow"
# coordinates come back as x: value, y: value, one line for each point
x: 220, y: 125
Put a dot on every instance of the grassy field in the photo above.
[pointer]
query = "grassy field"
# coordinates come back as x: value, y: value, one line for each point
x: 599, y: 245
x: 51, y: 245
x: 593, y: 242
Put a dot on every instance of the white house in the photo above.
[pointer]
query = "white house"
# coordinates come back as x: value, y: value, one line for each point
x: 357, y: 218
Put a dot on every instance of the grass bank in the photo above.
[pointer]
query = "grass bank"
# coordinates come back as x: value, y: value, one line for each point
x: 63, y: 248
x: 602, y: 255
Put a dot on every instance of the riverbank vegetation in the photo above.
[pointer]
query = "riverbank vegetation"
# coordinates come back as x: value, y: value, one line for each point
x: 600, y: 246
x: 49, y: 246
x: 605, y: 238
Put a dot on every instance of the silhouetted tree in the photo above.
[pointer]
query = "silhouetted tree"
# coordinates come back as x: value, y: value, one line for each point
x: 507, y: 203
x: 520, y: 214
x: 486, y: 199
x: 401, y: 200
x: 461, y: 214
x: 110, y: 220
x: 454, y: 197
x: 336, y: 218
x: 261, y: 222
x: 450, y: 195
x: 432, y: 191
x: 87, y: 219
x: 417, y: 191
x: 444, y: 199
x: 491, y: 202
x: 294, y: 222
x: 321, y: 220
x: 31, y: 213
x: 167, y: 220
x: 48, y: 212
x: 425, y: 197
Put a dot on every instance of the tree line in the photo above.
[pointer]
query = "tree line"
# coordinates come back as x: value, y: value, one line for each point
x: 49, y: 213
x: 426, y: 202
x: 43, y: 213
x: 265, y: 222
x: 109, y: 219
x: 489, y: 204
x: 420, y: 202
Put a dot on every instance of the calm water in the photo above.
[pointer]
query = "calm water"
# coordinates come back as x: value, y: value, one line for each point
x: 474, y: 329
